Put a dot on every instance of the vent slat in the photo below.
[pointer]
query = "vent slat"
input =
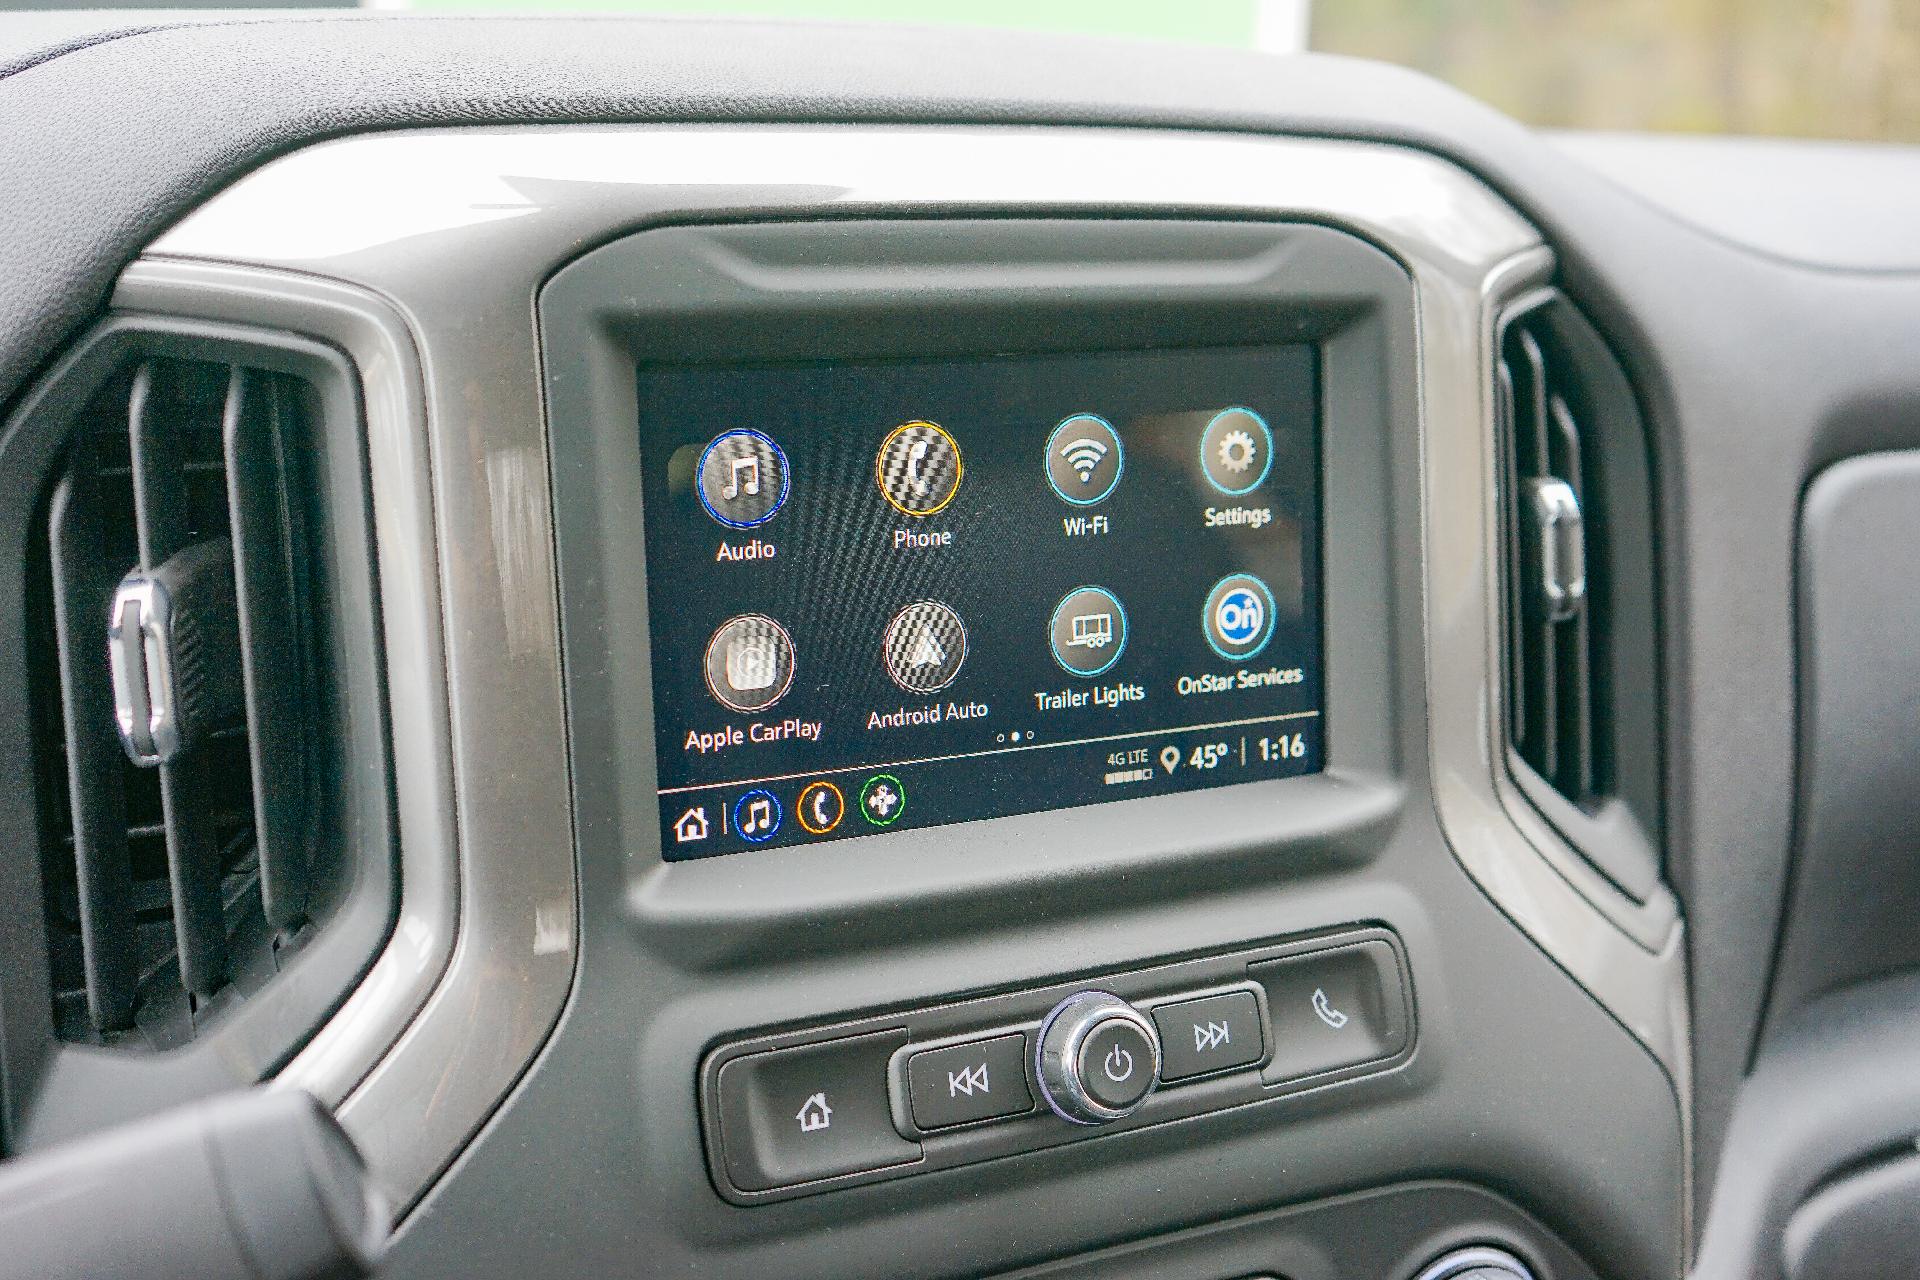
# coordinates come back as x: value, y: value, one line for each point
x: 264, y: 573
x: 194, y: 871
x: 1539, y: 727
x: 164, y: 519
x: 1574, y: 773
x: 83, y: 584
x: 1543, y: 679
x: 160, y: 507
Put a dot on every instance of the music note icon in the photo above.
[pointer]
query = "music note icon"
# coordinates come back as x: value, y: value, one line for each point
x: 756, y: 816
x: 742, y: 478
x: 751, y: 468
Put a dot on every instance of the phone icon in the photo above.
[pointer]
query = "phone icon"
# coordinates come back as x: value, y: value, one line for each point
x: 916, y: 456
x: 918, y: 468
x: 1324, y: 1009
x: 821, y: 807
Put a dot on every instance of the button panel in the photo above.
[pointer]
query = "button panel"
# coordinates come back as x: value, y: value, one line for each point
x: 951, y: 1083
x: 966, y: 1083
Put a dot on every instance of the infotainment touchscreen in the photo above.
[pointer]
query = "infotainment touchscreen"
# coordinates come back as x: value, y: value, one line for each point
x: 903, y: 593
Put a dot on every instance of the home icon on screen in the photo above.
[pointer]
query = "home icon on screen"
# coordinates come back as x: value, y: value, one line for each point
x: 691, y: 825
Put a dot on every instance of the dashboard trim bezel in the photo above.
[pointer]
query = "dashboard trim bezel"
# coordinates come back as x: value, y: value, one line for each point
x: 530, y: 198
x: 760, y: 289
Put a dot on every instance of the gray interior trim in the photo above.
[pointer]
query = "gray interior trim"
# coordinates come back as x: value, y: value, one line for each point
x: 1792, y: 198
x: 522, y: 200
x: 1630, y: 954
x: 1833, y: 1090
x: 1849, y: 913
x: 372, y: 1019
x: 423, y: 989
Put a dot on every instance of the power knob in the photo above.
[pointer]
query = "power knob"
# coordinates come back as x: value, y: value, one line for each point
x: 1097, y: 1058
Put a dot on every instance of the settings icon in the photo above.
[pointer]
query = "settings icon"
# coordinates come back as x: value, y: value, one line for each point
x: 1236, y: 451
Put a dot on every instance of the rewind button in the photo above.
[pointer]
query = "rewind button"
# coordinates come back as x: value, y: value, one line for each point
x: 965, y: 1083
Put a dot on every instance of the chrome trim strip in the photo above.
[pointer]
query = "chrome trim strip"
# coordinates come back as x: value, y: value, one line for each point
x: 410, y: 214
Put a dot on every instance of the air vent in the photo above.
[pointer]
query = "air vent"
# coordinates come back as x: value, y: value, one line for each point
x: 1581, y: 714
x: 178, y: 881
x: 1550, y: 706
x: 207, y: 746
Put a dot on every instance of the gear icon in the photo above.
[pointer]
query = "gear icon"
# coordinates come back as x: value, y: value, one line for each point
x: 1236, y: 451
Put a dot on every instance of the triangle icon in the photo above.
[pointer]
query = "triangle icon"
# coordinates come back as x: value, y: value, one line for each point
x: 927, y: 650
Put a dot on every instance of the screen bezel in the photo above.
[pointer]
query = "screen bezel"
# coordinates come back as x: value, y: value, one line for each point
x: 935, y: 288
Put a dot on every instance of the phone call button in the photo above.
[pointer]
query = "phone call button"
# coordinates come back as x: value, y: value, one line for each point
x: 1333, y: 1009
x: 918, y: 468
x: 820, y: 807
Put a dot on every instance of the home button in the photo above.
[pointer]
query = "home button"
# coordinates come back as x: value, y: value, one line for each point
x: 816, y: 1111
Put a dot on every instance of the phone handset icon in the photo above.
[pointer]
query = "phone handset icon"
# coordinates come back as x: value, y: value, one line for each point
x: 1323, y: 1007
x: 916, y: 455
x: 821, y: 807
x: 919, y: 468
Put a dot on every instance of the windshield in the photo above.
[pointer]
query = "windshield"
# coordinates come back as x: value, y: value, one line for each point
x: 1843, y: 69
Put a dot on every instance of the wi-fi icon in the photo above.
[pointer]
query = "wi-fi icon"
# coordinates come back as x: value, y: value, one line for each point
x: 1083, y: 455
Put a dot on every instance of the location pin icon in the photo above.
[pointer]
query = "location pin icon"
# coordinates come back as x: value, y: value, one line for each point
x: 1169, y: 758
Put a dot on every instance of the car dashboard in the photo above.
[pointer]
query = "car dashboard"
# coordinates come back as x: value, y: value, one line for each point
x: 857, y: 652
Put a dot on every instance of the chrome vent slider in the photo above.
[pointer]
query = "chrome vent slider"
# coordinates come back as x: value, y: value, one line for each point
x: 1553, y: 512
x: 172, y: 638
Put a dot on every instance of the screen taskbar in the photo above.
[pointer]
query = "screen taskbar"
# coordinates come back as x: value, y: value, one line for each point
x: 863, y: 799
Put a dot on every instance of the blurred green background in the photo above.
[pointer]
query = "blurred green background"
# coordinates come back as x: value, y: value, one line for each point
x: 1813, y: 68
x: 1808, y: 68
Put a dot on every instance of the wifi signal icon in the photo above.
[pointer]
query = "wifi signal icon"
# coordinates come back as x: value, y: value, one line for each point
x: 1083, y: 455
x: 1084, y: 460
